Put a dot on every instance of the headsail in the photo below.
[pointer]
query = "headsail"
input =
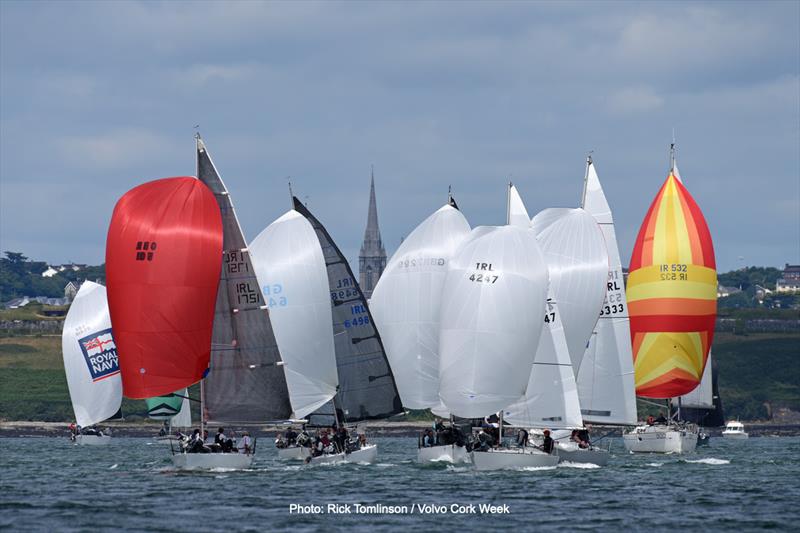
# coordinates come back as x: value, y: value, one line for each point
x: 551, y: 398
x: 162, y: 265
x: 246, y: 382
x: 407, y: 301
x: 605, y: 380
x: 90, y: 357
x: 493, y: 303
x: 184, y: 417
x: 366, y: 384
x: 577, y: 262
x: 294, y: 282
x: 517, y: 215
x: 672, y: 296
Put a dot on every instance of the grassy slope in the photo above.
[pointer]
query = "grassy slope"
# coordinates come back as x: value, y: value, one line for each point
x: 753, y: 369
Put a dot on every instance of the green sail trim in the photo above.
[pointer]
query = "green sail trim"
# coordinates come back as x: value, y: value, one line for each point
x: 163, y: 407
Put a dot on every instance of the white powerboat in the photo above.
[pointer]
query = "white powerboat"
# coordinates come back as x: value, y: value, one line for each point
x: 661, y: 439
x: 735, y: 430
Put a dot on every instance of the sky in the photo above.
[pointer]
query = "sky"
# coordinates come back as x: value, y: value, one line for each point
x: 98, y: 97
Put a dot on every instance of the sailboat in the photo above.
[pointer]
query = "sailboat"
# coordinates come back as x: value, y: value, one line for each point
x: 576, y: 258
x: 246, y: 383
x: 605, y: 379
x: 163, y: 268
x: 90, y: 361
x: 406, y: 304
x: 293, y: 278
x: 672, y: 302
x: 367, y: 388
x: 492, y: 307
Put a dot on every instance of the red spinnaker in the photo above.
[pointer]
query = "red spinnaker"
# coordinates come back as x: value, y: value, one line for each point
x: 163, y: 262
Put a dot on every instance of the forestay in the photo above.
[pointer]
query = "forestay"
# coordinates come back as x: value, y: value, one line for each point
x: 407, y: 301
x: 493, y: 303
x: 367, y: 388
x: 245, y: 383
x: 605, y: 380
x: 577, y: 262
x: 294, y: 282
x: 90, y: 357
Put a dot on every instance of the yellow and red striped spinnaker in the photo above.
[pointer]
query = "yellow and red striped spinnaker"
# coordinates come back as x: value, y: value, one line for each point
x: 672, y: 295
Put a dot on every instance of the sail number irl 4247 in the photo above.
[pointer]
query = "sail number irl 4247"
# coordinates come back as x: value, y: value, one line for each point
x: 485, y: 274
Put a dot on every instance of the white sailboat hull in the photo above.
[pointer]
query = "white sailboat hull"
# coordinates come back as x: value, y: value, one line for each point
x: 209, y: 461
x: 660, y: 439
x: 443, y: 454
x: 505, y: 459
x: 93, y: 440
x: 294, y: 453
x: 367, y: 454
x: 593, y: 456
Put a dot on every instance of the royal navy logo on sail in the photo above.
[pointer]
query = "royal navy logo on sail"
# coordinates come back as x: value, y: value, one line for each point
x: 100, y: 353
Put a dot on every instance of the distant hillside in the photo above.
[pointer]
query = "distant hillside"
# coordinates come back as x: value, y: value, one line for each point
x: 756, y: 373
x: 20, y: 276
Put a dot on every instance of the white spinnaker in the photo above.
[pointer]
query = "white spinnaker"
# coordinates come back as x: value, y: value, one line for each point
x: 291, y: 271
x: 606, y: 384
x: 577, y: 261
x: 87, y: 319
x: 492, y: 308
x: 551, y: 399
x: 702, y: 397
x: 184, y: 417
x: 407, y: 301
x: 517, y: 214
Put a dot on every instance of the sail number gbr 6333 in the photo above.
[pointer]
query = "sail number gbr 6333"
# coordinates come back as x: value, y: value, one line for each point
x: 485, y: 274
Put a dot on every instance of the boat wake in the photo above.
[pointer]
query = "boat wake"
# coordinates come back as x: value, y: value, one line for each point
x: 655, y: 465
x: 535, y: 468
x: 709, y: 461
x: 587, y: 466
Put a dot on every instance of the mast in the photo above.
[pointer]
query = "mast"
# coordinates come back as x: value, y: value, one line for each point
x: 586, y: 179
x: 508, y: 204
x: 672, y: 154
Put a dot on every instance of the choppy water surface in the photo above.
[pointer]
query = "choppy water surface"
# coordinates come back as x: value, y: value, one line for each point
x: 52, y: 484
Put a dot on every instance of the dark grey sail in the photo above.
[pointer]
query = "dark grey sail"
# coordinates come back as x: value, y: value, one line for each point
x: 366, y: 384
x: 245, y: 382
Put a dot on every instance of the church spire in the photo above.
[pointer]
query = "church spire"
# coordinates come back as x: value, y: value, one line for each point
x: 372, y: 259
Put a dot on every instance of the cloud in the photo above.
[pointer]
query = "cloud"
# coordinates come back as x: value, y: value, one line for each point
x: 634, y: 100
x: 113, y: 150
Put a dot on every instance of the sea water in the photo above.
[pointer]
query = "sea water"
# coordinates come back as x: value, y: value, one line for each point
x: 51, y: 484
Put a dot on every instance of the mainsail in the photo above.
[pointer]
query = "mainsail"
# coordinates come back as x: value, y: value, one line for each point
x: 246, y: 382
x: 605, y: 380
x: 493, y: 303
x: 672, y: 296
x: 294, y: 282
x: 407, y: 301
x: 577, y: 262
x: 162, y: 265
x: 366, y: 384
x: 551, y: 398
x: 90, y: 357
